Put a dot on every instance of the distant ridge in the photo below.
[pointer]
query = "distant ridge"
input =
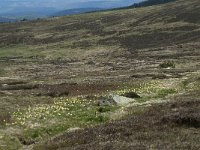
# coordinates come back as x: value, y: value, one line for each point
x: 144, y: 3
x: 42, y: 12
x: 29, y: 13
x: 149, y: 3
x: 3, y: 19
x: 76, y: 11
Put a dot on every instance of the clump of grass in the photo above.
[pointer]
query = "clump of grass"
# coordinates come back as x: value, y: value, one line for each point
x: 103, y: 109
x: 192, y: 82
x: 2, y: 72
x: 167, y: 64
x: 161, y: 93
x: 9, y: 143
x: 165, y: 92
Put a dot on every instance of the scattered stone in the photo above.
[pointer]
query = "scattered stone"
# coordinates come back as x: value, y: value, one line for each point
x: 4, y: 85
x: 5, y: 93
x: 73, y: 129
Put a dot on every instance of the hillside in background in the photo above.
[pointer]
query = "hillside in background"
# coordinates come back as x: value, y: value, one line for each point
x: 150, y: 3
x: 75, y: 11
x: 59, y: 77
x: 29, y: 12
x: 2, y: 19
x: 126, y: 29
x: 42, y: 9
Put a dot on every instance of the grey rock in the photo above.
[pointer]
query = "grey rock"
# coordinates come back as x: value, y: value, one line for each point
x: 106, y: 101
x: 114, y: 100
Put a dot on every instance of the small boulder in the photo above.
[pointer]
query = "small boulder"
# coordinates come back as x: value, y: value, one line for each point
x: 122, y: 100
x: 106, y: 101
x: 114, y: 99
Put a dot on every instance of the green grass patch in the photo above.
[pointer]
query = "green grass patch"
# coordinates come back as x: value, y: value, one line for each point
x: 159, y: 94
x: 44, y: 121
x: 191, y: 83
x: 15, y: 51
x: 165, y: 92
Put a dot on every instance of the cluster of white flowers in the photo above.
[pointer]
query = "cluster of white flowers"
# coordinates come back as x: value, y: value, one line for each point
x: 40, y: 113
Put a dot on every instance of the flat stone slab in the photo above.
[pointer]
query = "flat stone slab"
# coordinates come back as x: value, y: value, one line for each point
x: 121, y: 100
x: 115, y: 99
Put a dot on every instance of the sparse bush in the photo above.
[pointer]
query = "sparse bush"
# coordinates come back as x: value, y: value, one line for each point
x: 167, y: 64
x: 24, y: 19
x: 19, y: 87
x: 55, y: 93
x: 4, y: 118
x: 131, y: 95
x: 26, y: 141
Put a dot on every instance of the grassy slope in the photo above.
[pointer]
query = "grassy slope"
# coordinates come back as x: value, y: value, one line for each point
x: 75, y: 50
x: 130, y: 29
x: 146, y: 35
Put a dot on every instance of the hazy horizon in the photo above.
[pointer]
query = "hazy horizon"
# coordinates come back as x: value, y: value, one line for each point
x: 7, y: 6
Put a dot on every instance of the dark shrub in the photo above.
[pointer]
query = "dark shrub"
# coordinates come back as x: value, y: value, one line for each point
x: 131, y: 95
x: 167, y: 64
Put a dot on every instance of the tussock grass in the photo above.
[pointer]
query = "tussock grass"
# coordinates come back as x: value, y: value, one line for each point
x: 167, y: 64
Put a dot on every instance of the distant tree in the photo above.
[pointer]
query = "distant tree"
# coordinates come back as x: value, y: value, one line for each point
x: 24, y: 19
